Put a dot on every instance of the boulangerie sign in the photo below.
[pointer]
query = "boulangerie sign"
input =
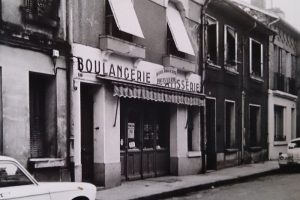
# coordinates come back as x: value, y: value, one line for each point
x: 91, y: 61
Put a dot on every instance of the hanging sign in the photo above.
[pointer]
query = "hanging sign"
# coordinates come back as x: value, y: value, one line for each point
x: 131, y: 130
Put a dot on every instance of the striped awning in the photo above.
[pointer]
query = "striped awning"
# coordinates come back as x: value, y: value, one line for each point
x: 157, y: 94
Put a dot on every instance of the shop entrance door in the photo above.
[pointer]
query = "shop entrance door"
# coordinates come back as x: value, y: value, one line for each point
x: 87, y: 132
x: 211, y: 133
x: 144, y: 139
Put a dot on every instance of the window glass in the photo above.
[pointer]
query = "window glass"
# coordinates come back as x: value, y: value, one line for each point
x: 256, y: 58
x: 11, y: 175
x: 212, y: 40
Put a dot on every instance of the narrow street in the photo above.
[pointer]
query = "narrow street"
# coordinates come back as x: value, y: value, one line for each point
x: 282, y: 186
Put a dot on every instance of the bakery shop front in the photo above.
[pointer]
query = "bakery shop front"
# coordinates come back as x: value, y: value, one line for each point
x: 132, y: 120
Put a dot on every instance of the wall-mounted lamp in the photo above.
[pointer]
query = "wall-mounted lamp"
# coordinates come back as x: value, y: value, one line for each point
x: 55, y: 55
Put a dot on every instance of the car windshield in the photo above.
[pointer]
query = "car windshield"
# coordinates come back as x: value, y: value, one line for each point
x: 11, y: 175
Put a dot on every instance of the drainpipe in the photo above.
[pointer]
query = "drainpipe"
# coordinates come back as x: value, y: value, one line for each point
x: 202, y: 62
x: 245, y: 40
x: 69, y: 38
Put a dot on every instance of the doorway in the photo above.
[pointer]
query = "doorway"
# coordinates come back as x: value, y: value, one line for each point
x: 87, y: 132
x: 144, y: 139
x: 211, y: 134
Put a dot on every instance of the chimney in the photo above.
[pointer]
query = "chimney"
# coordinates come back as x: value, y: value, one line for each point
x: 259, y: 3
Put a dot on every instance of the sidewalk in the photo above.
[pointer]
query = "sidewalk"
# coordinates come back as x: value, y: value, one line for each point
x: 154, y: 188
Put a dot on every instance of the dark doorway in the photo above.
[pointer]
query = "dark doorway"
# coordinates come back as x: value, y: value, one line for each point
x: 144, y: 139
x: 211, y: 133
x: 87, y: 132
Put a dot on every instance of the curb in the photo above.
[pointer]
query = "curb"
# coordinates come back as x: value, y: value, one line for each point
x: 205, y: 186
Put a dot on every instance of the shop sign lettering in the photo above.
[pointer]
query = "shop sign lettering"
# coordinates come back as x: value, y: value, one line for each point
x: 111, y: 70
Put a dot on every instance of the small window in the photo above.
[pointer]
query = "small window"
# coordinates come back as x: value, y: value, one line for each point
x: 43, y: 140
x: 230, y: 124
x: 193, y: 119
x: 212, y: 40
x: 256, y: 58
x: 11, y: 175
x: 279, y: 123
x: 230, y: 40
x: 42, y: 12
x: 255, y: 125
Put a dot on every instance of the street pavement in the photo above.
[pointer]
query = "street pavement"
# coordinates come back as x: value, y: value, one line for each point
x: 282, y: 186
x: 168, y: 186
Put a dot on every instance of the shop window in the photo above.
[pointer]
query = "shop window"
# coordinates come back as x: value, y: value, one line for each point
x: 43, y: 139
x: 255, y: 125
x: 212, y: 40
x: 112, y: 28
x: 279, y: 123
x: 193, y: 135
x: 230, y: 124
x: 256, y: 58
x: 42, y: 12
x: 230, y: 51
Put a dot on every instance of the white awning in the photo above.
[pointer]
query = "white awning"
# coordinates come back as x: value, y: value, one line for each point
x: 178, y: 31
x: 125, y: 17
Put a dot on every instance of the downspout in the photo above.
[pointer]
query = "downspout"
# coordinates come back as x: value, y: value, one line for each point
x: 69, y: 60
x: 202, y: 62
x: 244, y: 93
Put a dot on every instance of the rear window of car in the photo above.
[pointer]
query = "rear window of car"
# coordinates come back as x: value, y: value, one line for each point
x: 296, y: 144
x: 11, y: 175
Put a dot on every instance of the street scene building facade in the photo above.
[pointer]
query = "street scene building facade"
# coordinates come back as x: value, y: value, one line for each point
x: 119, y: 90
x: 34, y: 87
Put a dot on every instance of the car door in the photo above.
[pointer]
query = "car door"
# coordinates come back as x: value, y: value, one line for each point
x: 16, y: 184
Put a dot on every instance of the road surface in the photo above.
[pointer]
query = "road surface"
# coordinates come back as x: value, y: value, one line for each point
x: 283, y: 186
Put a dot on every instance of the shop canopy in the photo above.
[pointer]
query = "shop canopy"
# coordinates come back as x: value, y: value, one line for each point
x: 178, y: 30
x: 125, y: 17
x: 159, y: 94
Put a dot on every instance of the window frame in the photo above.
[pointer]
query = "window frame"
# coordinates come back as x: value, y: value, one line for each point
x: 277, y: 139
x: 208, y: 17
x: 261, y: 58
x: 259, y: 131
x: 226, y: 64
x: 232, y: 144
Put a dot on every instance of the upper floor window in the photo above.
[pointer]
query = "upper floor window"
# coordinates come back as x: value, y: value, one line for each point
x: 121, y: 20
x: 42, y: 12
x: 212, y: 40
x: 179, y: 43
x: 230, y: 47
x: 256, y: 58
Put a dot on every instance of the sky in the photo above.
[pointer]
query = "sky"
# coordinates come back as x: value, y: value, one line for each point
x: 291, y: 9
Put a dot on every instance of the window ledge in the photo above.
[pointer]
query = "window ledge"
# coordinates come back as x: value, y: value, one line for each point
x: 280, y: 143
x: 46, y: 162
x: 121, y: 47
x: 255, y: 148
x: 231, y: 150
x: 194, y: 154
x: 213, y: 66
x: 257, y: 78
x: 179, y: 63
x: 231, y: 70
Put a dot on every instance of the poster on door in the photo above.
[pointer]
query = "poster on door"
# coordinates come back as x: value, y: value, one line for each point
x: 131, y: 130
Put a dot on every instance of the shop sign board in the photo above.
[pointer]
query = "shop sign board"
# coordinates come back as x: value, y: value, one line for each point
x: 90, y: 60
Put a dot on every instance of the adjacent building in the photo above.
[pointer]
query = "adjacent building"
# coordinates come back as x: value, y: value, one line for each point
x: 236, y: 85
x: 282, y: 93
x: 33, y: 82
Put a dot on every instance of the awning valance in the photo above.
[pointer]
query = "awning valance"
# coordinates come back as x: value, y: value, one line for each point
x: 157, y: 94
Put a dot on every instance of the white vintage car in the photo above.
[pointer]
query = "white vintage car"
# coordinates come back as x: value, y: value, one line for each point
x: 17, y: 183
x: 292, y: 157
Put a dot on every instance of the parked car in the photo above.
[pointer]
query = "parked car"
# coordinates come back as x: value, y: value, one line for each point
x: 292, y: 157
x: 17, y: 183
